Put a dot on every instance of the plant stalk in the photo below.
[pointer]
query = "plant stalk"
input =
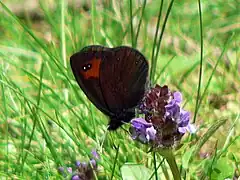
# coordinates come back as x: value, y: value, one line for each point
x: 169, y: 156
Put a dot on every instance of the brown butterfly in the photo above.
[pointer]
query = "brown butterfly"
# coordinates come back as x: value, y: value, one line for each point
x: 113, y: 79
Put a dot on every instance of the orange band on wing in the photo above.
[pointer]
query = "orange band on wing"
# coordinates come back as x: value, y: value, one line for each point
x: 94, y: 71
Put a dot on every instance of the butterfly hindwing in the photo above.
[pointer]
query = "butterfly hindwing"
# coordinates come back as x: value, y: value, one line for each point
x: 123, y: 78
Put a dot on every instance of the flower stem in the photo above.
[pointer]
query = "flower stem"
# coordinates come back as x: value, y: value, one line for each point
x: 173, y: 166
x: 169, y: 156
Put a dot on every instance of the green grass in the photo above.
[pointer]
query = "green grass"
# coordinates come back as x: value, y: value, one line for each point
x: 46, y: 121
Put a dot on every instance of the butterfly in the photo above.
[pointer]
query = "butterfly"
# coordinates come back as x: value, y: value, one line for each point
x: 113, y: 79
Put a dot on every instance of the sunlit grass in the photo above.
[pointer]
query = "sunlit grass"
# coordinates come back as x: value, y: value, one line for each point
x: 46, y: 121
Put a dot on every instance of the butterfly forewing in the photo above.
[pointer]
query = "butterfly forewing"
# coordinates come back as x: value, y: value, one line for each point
x: 86, y: 66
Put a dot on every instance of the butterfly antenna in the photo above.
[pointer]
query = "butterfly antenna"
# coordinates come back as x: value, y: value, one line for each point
x: 125, y: 130
x: 114, y: 146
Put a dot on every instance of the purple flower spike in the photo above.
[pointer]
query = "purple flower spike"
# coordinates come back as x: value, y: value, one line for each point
x: 166, y: 122
x: 142, y: 130
x: 82, y: 170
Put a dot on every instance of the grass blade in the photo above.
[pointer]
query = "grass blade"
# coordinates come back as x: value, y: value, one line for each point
x: 207, y: 135
x: 115, y: 161
x: 140, y: 22
x: 201, y: 61
x: 155, y: 40
x: 63, y: 39
x: 131, y: 23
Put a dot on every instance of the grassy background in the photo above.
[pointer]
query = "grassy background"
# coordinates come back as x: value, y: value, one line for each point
x: 45, y: 119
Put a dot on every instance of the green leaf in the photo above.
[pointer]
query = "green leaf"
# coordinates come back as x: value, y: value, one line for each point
x: 223, y: 169
x: 135, y: 171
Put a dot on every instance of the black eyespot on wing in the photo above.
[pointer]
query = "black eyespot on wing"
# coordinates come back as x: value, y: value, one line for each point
x: 86, y: 67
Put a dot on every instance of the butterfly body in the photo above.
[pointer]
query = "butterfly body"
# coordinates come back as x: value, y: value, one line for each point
x: 112, y: 78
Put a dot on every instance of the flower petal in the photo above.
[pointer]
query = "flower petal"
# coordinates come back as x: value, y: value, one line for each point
x: 93, y: 163
x: 140, y: 123
x: 178, y: 97
x: 95, y: 154
x: 78, y: 163
x: 184, y: 118
x: 142, y: 130
x: 75, y: 177
x: 151, y: 133
x: 172, y: 110
x: 69, y: 169
x: 191, y: 128
x: 182, y: 130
